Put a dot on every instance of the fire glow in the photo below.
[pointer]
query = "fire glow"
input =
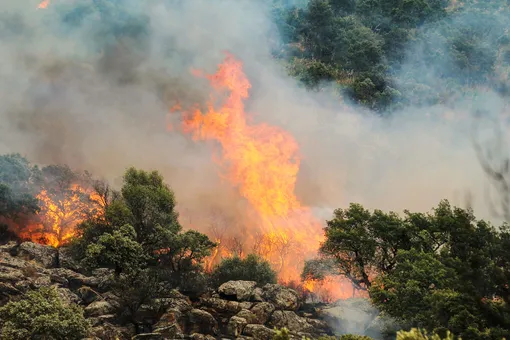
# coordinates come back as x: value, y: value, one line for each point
x: 59, y: 215
x: 262, y: 162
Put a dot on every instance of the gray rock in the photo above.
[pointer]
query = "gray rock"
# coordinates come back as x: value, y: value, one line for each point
x: 68, y: 296
x: 282, y: 297
x: 65, y: 260
x: 200, y: 321
x: 258, y: 295
x: 222, y: 306
x: 240, y: 290
x: 42, y: 281
x: 76, y: 280
x: 98, y: 308
x: 262, y: 311
x: 108, y: 331
x: 248, y: 316
x: 236, y: 326
x: 259, y: 332
x: 291, y: 321
x: 45, y: 255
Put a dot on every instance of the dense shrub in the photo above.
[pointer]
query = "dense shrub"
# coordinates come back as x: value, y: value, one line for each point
x: 252, y: 268
x: 42, y: 314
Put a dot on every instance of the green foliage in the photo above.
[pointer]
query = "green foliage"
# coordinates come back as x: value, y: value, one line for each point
x: 439, y: 271
x: 252, y: 268
x: 417, y: 334
x: 284, y: 334
x: 42, y: 314
x: 397, y: 52
x: 117, y: 249
x: 139, y: 234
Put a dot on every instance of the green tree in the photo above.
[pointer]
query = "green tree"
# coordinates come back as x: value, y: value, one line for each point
x: 441, y: 271
x: 41, y: 314
x: 251, y: 268
x: 140, y: 230
x: 117, y: 250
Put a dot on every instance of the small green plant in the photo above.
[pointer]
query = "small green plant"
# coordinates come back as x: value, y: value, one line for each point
x: 41, y: 314
x: 417, y: 334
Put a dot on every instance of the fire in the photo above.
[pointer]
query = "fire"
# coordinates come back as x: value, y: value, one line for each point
x: 43, y: 4
x: 262, y: 162
x: 60, y: 214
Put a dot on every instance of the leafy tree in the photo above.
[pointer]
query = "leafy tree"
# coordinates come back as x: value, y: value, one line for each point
x: 140, y: 231
x: 117, y: 249
x: 417, y: 334
x: 441, y: 271
x: 252, y: 268
x: 41, y: 314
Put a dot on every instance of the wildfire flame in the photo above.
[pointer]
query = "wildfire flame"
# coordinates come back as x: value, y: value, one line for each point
x: 43, y: 4
x: 59, y: 216
x: 262, y: 161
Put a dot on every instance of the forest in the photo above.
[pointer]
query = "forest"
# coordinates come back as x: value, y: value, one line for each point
x: 436, y: 274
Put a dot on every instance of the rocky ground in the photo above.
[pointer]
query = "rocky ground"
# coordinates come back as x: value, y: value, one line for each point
x: 238, y: 310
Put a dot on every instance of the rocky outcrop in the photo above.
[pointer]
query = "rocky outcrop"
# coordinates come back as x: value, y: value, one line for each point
x: 238, y: 310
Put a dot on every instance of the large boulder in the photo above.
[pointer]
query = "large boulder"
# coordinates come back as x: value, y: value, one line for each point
x: 98, y: 308
x: 259, y: 332
x: 236, y: 326
x: 282, y: 297
x: 262, y: 311
x: 75, y: 280
x: 42, y: 254
x: 200, y: 321
x: 221, y: 306
x: 291, y: 321
x: 238, y: 290
x: 248, y: 316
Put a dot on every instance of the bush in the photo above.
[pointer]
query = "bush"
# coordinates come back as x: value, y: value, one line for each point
x: 41, y: 314
x: 284, y: 334
x: 252, y: 268
x: 417, y: 334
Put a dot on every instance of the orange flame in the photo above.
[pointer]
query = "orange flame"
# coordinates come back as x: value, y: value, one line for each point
x: 44, y: 4
x: 262, y: 161
x: 59, y: 217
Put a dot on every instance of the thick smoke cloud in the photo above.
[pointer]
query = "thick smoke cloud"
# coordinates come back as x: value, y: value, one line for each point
x: 75, y: 90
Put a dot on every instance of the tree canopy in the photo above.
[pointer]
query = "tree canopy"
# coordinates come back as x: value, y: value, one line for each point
x: 440, y: 271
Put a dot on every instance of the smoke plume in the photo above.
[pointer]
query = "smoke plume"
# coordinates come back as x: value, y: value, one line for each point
x: 96, y: 95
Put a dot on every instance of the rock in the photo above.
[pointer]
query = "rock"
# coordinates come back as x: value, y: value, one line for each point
x: 75, y: 280
x: 8, y: 247
x: 258, y: 295
x: 262, y: 311
x: 109, y: 331
x: 68, y: 296
x: 200, y: 321
x: 169, y: 332
x: 246, y: 305
x: 319, y: 326
x: 7, y: 260
x: 11, y: 275
x: 259, y: 332
x: 248, y: 316
x: 222, y: 306
x: 198, y: 336
x: 282, y: 297
x: 239, y: 290
x: 88, y: 295
x: 59, y: 279
x: 66, y: 260
x: 98, y: 308
x: 149, y: 336
x: 7, y: 289
x: 291, y: 321
x: 42, y: 281
x: 45, y: 255
x: 236, y: 326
